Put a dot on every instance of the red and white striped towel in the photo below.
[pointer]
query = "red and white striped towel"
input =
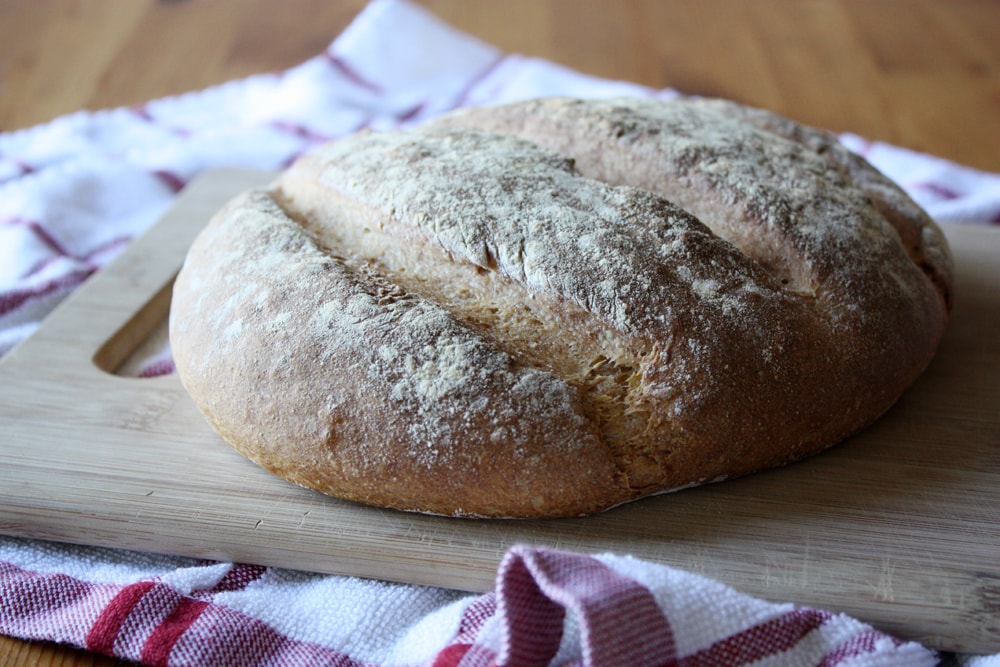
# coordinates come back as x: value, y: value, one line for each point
x: 74, y: 191
x: 549, y: 608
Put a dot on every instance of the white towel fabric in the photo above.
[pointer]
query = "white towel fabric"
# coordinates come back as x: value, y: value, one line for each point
x: 74, y: 191
x: 549, y: 608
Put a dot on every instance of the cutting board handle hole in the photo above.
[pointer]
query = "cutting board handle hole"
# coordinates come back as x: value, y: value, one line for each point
x: 140, y: 348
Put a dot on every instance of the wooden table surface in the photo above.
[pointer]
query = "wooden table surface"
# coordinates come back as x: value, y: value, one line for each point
x: 923, y: 74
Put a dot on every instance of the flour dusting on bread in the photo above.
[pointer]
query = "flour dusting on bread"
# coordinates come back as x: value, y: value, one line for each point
x: 552, y: 307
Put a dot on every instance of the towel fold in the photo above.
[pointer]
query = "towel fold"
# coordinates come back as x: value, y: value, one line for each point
x: 549, y: 607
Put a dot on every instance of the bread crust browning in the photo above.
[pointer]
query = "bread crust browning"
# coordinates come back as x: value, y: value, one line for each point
x: 553, y: 307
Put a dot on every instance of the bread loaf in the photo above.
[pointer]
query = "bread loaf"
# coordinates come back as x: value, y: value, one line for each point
x: 553, y: 307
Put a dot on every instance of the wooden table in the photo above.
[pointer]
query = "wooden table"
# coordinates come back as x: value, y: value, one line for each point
x: 917, y: 73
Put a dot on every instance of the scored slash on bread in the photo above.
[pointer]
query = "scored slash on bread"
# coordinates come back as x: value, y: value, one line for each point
x: 556, y: 306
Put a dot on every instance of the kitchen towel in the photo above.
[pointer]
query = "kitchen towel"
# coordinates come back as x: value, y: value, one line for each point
x: 76, y: 190
x: 549, y: 607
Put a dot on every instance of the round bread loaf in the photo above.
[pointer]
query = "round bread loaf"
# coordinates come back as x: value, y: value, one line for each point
x: 553, y: 307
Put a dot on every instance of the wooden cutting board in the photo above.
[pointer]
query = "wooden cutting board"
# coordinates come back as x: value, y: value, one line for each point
x: 899, y: 526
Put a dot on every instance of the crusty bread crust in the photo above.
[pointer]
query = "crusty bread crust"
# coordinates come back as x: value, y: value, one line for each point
x: 553, y: 307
